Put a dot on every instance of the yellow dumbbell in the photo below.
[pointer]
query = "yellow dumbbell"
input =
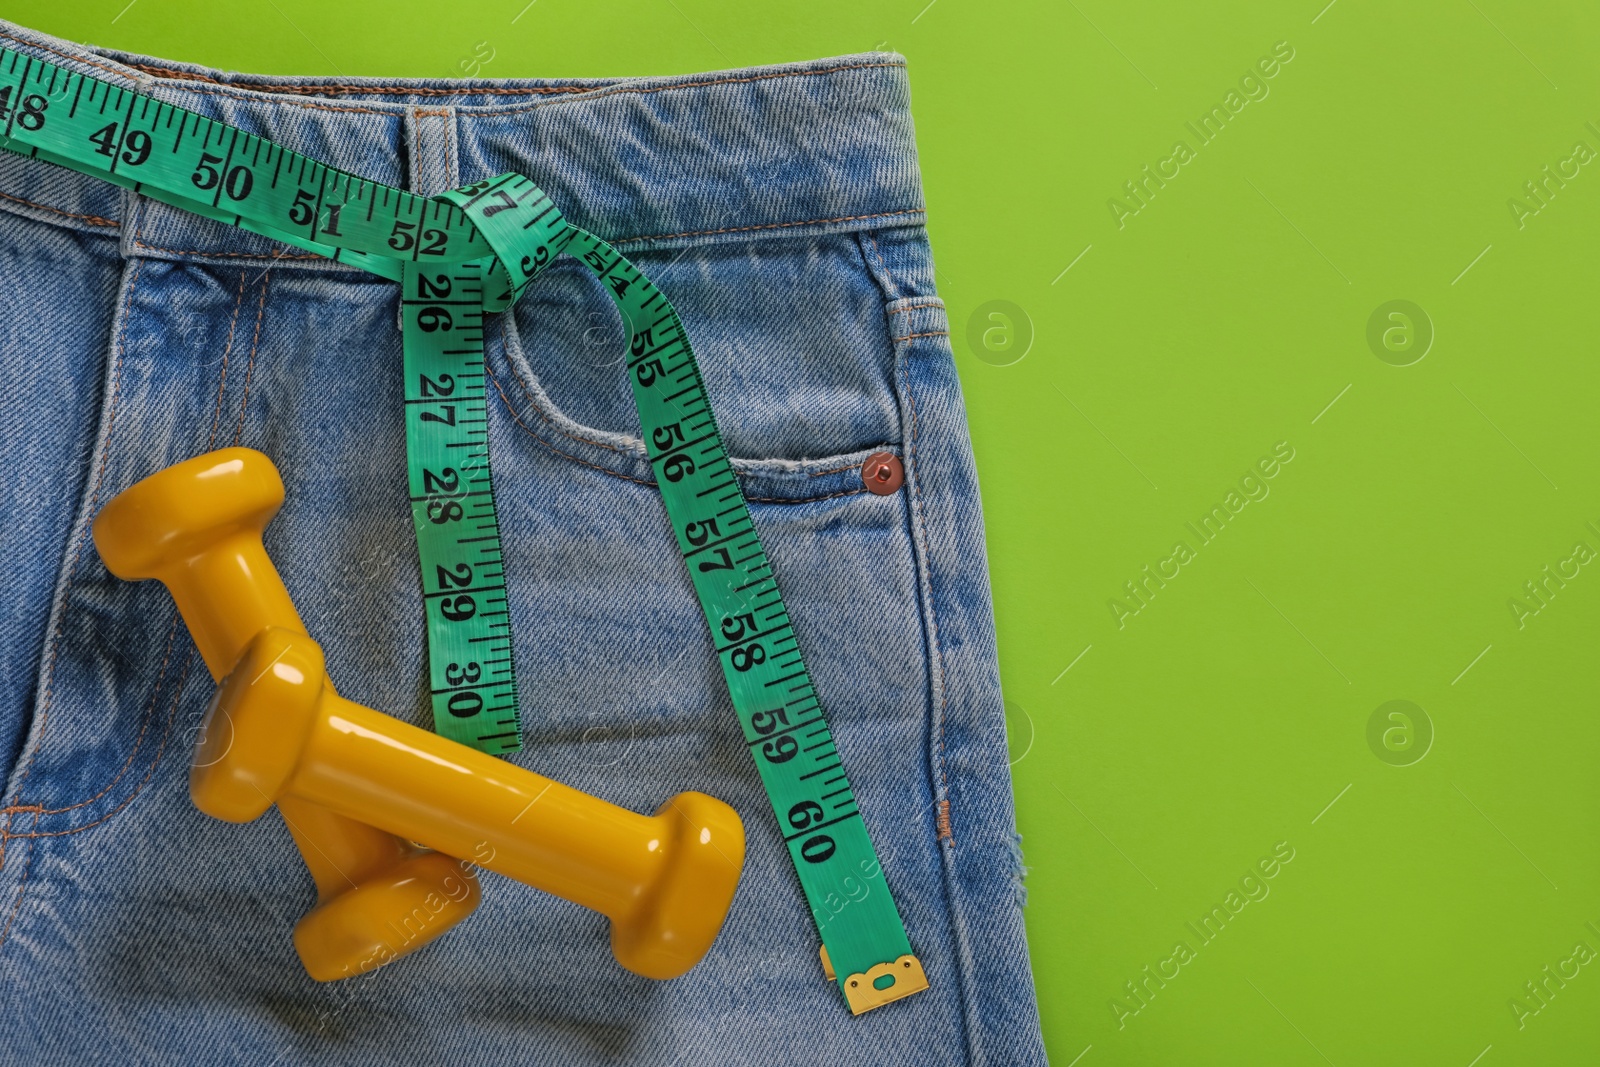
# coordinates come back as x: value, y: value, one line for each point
x: 197, y: 528
x: 665, y: 881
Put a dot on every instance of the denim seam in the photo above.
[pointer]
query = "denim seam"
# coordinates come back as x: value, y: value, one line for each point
x: 95, y: 219
x: 888, y: 279
x: 936, y: 666
x: 161, y: 674
x: 33, y: 833
x: 144, y: 726
x: 834, y: 470
x: 769, y: 226
x: 538, y: 408
x: 805, y: 500
x: 933, y: 622
x: 231, y: 255
x: 543, y: 405
x: 138, y: 241
x: 510, y: 410
x: 887, y: 286
x: 227, y: 350
x: 72, y: 56
x: 875, y: 267
x: 156, y: 690
x: 958, y: 931
x: 257, y: 95
x: 55, y: 637
x: 177, y: 699
x: 77, y: 557
x: 22, y: 884
x: 250, y: 365
x: 449, y: 135
x: 335, y: 88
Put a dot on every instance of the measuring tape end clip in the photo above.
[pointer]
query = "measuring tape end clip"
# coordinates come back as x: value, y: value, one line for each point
x: 869, y: 990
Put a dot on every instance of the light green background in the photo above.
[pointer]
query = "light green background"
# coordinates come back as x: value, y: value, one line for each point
x: 1229, y: 314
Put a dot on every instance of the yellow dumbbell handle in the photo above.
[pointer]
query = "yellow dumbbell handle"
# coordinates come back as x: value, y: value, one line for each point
x: 276, y: 730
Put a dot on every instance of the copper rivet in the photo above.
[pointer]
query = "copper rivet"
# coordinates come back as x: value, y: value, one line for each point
x: 882, y: 473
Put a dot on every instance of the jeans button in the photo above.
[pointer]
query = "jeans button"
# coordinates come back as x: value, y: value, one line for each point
x: 882, y: 473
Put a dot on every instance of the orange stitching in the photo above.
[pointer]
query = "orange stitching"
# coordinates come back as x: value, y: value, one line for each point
x: 144, y: 718
x: 309, y: 107
x: 216, y: 414
x: 69, y: 55
x: 144, y: 726
x: 96, y: 219
x: 22, y: 886
x: 172, y: 630
x: 177, y: 695
x: 94, y: 498
x: 768, y: 226
x: 942, y: 822
x: 333, y: 88
x: 909, y: 308
x: 250, y: 367
x: 930, y: 333
x: 605, y: 89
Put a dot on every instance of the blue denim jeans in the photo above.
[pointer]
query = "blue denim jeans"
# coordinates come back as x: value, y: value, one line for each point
x: 780, y: 209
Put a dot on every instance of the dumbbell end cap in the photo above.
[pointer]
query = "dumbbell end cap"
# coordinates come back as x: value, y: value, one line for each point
x: 256, y: 726
x: 386, y: 917
x: 185, y: 509
x: 675, y: 925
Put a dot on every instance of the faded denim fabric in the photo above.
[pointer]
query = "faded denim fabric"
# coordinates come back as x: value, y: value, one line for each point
x: 780, y: 208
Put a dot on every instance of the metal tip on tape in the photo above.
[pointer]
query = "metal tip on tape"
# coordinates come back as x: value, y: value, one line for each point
x: 882, y: 984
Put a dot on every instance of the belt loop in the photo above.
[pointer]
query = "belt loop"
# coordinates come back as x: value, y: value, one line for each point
x: 132, y: 222
x: 433, y: 153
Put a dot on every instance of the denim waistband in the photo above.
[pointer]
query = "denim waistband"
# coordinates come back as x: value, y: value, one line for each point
x: 798, y: 148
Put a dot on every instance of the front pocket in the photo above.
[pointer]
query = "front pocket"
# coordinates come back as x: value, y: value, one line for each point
x: 789, y: 337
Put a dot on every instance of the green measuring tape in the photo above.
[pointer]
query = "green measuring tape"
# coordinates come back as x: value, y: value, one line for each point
x: 458, y: 256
